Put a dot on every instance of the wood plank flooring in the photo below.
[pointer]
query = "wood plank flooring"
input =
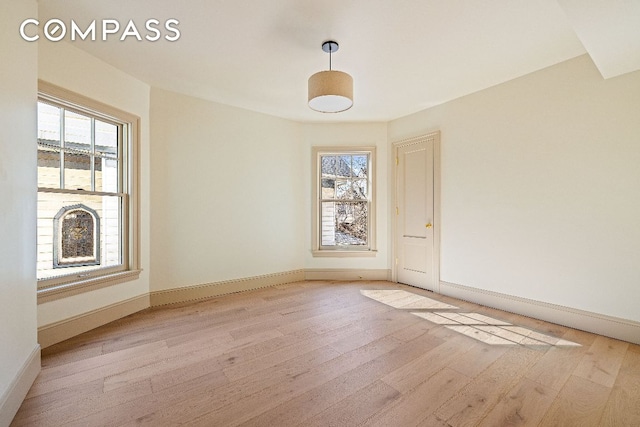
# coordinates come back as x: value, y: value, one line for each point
x: 335, y: 354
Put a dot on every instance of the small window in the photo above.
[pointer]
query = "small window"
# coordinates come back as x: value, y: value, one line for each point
x: 87, y: 224
x: 344, y: 210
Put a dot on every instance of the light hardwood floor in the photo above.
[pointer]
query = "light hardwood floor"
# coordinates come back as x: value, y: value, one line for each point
x: 335, y: 354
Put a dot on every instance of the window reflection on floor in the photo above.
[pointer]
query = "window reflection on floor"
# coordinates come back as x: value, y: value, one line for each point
x: 475, y: 325
x: 398, y: 298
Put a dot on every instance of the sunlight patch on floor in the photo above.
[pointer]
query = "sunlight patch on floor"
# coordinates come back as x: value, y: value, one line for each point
x: 398, y: 298
x: 475, y: 325
x: 492, y: 331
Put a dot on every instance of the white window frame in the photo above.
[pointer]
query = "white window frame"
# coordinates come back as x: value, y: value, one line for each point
x: 73, y: 284
x: 317, y: 249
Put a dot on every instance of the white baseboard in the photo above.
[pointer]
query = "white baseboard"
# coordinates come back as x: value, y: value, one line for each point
x: 601, y: 324
x: 209, y: 290
x: 19, y: 387
x: 68, y: 328
x: 346, y: 274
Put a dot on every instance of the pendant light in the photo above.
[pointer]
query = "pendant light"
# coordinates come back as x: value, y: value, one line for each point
x: 330, y: 91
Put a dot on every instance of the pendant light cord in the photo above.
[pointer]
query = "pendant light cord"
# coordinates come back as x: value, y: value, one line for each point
x: 330, y: 50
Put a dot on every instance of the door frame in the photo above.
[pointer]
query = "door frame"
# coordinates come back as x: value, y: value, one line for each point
x: 433, y: 137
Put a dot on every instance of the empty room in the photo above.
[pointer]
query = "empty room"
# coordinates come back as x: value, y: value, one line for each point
x: 330, y: 213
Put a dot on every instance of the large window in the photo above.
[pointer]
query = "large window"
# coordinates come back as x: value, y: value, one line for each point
x: 343, y: 203
x: 86, y: 206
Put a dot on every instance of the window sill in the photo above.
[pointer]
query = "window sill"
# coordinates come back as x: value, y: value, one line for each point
x: 343, y: 254
x: 74, y: 288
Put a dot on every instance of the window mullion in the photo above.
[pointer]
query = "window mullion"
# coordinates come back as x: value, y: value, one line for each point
x: 83, y: 192
x: 92, y: 164
x: 123, y: 158
x: 62, y: 146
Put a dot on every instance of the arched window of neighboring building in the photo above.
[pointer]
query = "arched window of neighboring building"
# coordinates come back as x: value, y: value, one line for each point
x: 76, y: 240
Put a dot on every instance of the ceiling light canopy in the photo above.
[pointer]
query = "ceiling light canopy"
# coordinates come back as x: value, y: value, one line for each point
x: 330, y: 91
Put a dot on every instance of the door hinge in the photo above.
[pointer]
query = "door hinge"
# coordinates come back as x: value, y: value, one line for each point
x: 397, y: 211
x: 396, y: 261
x: 397, y: 161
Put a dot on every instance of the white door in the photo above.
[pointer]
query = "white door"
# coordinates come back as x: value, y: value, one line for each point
x: 415, y: 213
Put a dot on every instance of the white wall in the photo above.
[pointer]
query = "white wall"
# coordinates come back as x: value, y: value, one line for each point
x: 348, y: 134
x: 71, y: 68
x: 227, y: 189
x: 541, y: 187
x: 18, y: 338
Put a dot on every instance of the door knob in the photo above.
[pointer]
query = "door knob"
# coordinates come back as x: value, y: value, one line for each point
x: 429, y: 225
